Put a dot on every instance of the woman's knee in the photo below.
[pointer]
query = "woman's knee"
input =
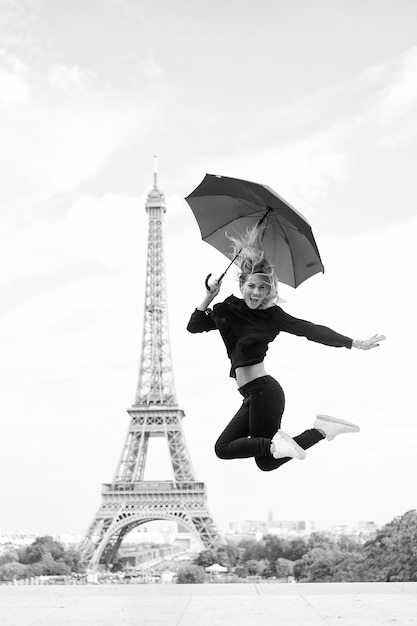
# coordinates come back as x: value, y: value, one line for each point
x: 265, y: 463
x: 220, y: 449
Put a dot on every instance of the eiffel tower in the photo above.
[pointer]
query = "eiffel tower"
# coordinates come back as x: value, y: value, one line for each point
x: 129, y: 500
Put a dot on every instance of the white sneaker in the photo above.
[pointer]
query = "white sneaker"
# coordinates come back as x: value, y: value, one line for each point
x: 331, y: 427
x: 283, y: 445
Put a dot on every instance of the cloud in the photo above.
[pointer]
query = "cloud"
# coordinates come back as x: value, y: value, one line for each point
x: 63, y: 135
x: 396, y: 109
x: 67, y: 78
x: 96, y: 236
x: 152, y: 70
x: 303, y: 169
x: 389, y: 119
x: 14, y: 87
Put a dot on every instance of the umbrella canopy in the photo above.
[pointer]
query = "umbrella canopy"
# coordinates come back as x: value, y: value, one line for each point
x: 229, y: 205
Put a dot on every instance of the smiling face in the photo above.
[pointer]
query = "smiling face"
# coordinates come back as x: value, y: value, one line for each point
x: 256, y: 291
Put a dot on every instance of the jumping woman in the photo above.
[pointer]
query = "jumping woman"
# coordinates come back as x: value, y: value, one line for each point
x: 247, y: 325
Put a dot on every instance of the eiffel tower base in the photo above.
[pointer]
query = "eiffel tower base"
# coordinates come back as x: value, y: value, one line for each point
x: 126, y: 506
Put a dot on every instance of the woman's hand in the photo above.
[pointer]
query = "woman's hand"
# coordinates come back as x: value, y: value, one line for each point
x: 373, y: 342
x: 212, y: 289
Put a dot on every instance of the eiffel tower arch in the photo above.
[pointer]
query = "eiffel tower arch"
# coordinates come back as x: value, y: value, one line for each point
x: 129, y: 500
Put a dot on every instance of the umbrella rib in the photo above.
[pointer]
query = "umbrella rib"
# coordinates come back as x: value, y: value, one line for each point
x: 270, y: 210
x: 283, y: 235
x: 249, y: 205
x: 225, y: 224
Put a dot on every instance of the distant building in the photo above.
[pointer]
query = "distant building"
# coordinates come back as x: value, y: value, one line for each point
x: 256, y: 529
x: 23, y: 538
x: 279, y: 527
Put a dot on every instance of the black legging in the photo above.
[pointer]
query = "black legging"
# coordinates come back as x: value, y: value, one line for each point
x: 250, y: 431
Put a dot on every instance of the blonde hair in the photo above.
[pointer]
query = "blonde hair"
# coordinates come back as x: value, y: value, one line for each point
x: 250, y: 259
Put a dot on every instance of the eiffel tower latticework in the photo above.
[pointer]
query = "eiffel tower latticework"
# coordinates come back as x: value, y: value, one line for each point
x: 130, y: 500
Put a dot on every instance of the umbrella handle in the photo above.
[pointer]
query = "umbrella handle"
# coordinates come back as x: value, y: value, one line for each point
x: 206, y: 282
x: 219, y: 280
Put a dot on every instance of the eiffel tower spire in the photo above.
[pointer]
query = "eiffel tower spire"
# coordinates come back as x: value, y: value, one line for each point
x: 156, y: 379
x: 130, y: 500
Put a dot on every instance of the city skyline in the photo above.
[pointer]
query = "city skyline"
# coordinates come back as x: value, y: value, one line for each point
x: 89, y: 92
x: 158, y: 529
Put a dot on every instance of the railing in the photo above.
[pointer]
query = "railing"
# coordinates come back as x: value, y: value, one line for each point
x: 154, y: 486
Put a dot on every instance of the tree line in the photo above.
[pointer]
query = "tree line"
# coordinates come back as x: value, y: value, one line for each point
x: 390, y: 556
x: 44, y: 557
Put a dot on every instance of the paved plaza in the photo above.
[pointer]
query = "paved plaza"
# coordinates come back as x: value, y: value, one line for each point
x: 311, y: 604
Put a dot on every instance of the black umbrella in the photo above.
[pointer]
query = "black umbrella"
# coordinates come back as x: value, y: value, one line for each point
x: 221, y: 204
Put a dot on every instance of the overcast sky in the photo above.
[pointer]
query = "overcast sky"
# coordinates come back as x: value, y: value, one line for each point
x: 316, y: 99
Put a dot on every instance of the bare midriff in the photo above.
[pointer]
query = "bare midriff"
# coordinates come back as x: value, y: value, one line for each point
x: 245, y: 375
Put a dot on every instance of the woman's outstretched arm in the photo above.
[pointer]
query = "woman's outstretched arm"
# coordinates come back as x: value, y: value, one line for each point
x: 322, y: 334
